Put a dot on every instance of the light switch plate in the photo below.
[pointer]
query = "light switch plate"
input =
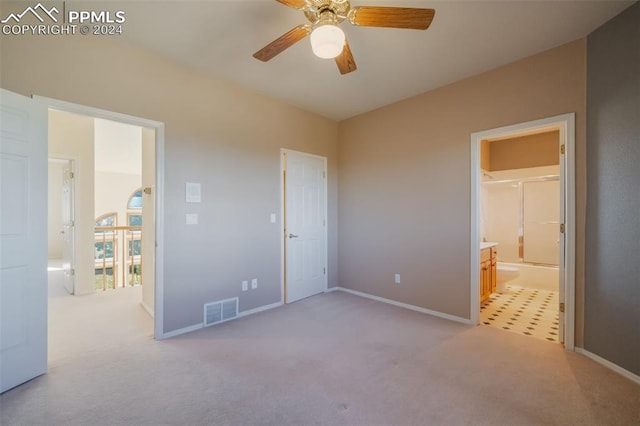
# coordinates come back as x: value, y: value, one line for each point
x: 254, y: 283
x: 245, y: 285
x: 191, y: 218
x: 193, y: 192
x: 273, y: 218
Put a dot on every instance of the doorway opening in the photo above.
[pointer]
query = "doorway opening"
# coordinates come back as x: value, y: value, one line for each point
x: 98, y: 145
x: 522, y: 229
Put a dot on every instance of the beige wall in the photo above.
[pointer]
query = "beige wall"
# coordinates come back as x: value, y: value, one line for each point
x: 405, y: 178
x: 523, y: 152
x: 216, y: 133
x: 71, y: 136
x: 112, y: 193
x: 54, y: 213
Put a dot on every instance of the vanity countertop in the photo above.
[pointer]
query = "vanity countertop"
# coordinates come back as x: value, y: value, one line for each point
x: 486, y: 245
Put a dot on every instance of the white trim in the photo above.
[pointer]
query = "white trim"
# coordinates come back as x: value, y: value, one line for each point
x: 566, y: 123
x: 332, y: 289
x: 259, y: 309
x: 610, y: 365
x: 283, y: 272
x: 281, y: 235
x: 147, y: 308
x: 184, y: 330
x: 159, y: 216
x: 406, y: 306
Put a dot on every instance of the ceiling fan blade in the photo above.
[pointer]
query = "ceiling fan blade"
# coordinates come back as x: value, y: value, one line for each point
x: 345, y: 61
x: 283, y: 42
x: 391, y: 17
x: 296, y: 4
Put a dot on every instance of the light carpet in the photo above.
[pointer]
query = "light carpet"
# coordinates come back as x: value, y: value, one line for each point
x: 333, y: 359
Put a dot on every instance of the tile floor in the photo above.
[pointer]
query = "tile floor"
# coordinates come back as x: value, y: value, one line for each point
x: 523, y: 310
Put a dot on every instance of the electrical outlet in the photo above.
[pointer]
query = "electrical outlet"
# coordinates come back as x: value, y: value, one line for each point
x: 397, y: 278
x: 245, y: 285
x: 254, y: 284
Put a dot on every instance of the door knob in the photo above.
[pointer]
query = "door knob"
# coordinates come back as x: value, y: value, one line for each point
x: 293, y: 236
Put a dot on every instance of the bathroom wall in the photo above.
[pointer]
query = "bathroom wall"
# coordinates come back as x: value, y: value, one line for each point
x: 612, y: 292
x: 537, y: 150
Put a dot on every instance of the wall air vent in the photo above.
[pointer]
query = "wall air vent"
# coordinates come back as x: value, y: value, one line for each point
x: 221, y: 311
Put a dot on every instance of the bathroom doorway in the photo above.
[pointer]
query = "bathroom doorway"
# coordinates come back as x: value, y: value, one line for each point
x: 522, y: 229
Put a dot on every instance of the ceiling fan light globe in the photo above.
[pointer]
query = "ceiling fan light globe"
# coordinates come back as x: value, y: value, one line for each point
x: 327, y: 41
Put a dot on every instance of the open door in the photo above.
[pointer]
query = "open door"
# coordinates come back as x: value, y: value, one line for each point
x: 23, y: 239
x: 68, y: 227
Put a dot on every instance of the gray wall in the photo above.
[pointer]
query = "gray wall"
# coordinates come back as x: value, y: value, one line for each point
x: 612, y: 284
x: 219, y: 134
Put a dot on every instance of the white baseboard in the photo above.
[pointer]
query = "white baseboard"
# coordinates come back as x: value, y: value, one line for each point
x: 331, y: 289
x: 147, y: 308
x: 259, y: 309
x: 406, y: 306
x: 180, y: 331
x: 610, y: 365
x: 195, y: 327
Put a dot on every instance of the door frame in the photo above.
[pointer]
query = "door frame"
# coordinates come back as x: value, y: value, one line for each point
x: 72, y: 161
x: 566, y: 124
x: 158, y: 126
x: 283, y: 218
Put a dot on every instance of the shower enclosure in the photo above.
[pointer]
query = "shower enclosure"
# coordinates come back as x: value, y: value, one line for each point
x: 520, y: 211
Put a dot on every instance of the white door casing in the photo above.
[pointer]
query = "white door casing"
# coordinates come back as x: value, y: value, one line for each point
x: 148, y: 219
x: 566, y: 293
x: 68, y: 227
x: 23, y: 239
x: 305, y: 215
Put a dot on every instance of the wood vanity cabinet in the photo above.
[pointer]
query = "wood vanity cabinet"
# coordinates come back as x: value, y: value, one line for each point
x: 488, y: 272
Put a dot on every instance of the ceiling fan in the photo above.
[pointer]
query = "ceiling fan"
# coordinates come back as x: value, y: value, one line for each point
x: 328, y: 40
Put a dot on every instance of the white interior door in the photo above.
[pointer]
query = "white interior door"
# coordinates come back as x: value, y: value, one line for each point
x: 304, y: 226
x: 23, y: 239
x: 68, y: 227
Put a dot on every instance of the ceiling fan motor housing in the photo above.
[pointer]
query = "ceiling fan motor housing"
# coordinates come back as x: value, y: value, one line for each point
x: 321, y: 12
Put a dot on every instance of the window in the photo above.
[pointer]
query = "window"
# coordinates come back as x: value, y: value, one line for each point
x: 135, y: 201
x: 134, y: 219
x: 107, y: 219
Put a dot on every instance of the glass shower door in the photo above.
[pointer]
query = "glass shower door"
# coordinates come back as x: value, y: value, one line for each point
x: 541, y: 222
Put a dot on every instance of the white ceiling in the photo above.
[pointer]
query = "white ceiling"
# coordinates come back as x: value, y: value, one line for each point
x: 466, y: 38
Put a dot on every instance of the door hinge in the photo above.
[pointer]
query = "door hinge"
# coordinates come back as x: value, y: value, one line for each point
x: 72, y: 272
x: 562, y: 228
x: 324, y: 271
x: 562, y: 307
x: 324, y: 175
x: 562, y: 148
x: 147, y: 190
x: 71, y: 175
